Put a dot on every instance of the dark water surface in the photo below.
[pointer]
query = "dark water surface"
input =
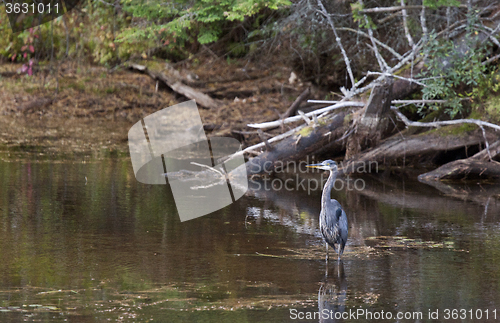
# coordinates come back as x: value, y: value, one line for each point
x: 82, y: 241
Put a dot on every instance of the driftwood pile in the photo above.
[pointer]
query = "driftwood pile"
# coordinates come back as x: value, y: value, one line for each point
x: 373, y: 131
x: 361, y: 133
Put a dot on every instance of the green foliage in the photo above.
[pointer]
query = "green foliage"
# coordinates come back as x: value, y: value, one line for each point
x: 203, y: 21
x: 489, y: 84
x: 492, y: 108
x: 363, y: 20
x: 90, y: 32
x: 434, y: 4
x: 455, y: 71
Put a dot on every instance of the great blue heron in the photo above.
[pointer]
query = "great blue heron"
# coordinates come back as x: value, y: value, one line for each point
x: 332, y: 219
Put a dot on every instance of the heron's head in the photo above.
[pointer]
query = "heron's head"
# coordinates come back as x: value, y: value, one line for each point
x: 325, y: 165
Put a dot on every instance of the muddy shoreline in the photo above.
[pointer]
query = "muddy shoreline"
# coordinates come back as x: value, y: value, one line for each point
x: 87, y: 108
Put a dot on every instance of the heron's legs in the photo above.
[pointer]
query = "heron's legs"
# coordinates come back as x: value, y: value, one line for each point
x: 326, y: 244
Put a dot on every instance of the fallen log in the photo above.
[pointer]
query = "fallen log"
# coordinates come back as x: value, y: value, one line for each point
x: 464, y: 169
x: 492, y: 152
x: 475, y: 167
x: 305, y: 142
x: 399, y: 149
x: 178, y: 87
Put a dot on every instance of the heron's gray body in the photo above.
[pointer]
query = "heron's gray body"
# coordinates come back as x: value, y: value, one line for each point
x: 332, y: 219
x: 334, y: 226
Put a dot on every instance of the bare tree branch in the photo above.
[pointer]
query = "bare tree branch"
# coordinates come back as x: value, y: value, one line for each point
x: 381, y: 62
x: 492, y: 59
x: 262, y: 144
x: 486, y: 142
x: 395, y: 8
x: 273, y: 124
x: 338, y: 40
x: 398, y: 77
x: 442, y: 123
x: 381, y: 44
x: 423, y: 24
x: 411, y: 56
x: 388, y: 9
x: 405, y: 24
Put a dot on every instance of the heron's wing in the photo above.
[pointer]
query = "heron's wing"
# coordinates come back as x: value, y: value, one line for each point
x: 344, y: 230
x: 334, y: 228
x: 330, y: 216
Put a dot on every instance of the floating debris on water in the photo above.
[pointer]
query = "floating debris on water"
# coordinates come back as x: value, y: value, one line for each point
x: 402, y: 242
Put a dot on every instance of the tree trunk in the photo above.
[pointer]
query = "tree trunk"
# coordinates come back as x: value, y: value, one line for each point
x: 373, y: 124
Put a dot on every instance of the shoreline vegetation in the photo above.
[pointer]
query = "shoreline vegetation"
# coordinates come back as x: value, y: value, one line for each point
x: 286, y: 88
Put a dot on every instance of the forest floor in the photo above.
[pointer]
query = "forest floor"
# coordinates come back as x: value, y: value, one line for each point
x: 88, y: 108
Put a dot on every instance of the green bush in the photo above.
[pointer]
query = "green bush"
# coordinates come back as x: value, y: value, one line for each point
x: 174, y: 23
x: 454, y: 71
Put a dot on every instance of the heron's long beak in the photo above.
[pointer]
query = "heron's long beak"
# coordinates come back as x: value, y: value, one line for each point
x: 314, y: 165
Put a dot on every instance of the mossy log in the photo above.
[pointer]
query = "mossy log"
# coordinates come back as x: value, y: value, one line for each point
x: 305, y: 142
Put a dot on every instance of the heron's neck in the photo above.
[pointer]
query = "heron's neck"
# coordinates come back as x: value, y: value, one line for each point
x: 327, y: 190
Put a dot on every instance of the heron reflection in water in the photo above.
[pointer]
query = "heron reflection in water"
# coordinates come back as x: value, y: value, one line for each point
x: 332, y: 219
x: 332, y: 296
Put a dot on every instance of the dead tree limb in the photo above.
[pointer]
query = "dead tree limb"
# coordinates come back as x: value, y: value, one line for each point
x: 339, y: 42
x: 475, y: 167
x: 372, y: 126
x: 381, y: 61
x: 264, y: 139
x: 262, y: 144
x: 395, y: 8
x: 177, y: 86
x: 442, y: 123
x: 405, y: 24
x: 400, y: 150
x: 296, y: 104
x: 464, y: 169
x: 277, y: 123
x: 381, y: 44
x: 304, y: 142
x: 494, y: 152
